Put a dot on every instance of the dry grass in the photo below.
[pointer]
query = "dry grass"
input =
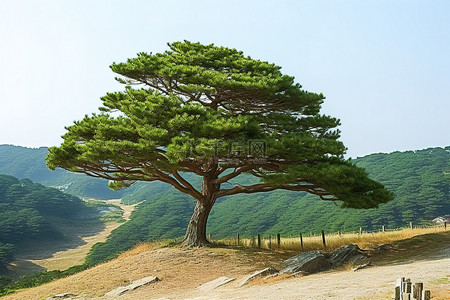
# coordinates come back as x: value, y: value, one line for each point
x: 182, y: 269
x: 366, y: 240
x: 145, y: 247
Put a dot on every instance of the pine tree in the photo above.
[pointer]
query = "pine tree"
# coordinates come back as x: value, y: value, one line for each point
x: 216, y: 113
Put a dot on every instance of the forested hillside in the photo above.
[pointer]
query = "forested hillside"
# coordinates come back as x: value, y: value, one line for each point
x: 30, y: 163
x: 28, y: 211
x: 420, y: 181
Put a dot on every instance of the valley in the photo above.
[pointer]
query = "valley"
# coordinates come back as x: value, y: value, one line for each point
x: 72, y: 251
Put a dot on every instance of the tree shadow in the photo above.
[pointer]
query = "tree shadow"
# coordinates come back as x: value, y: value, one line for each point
x: 70, y: 236
x: 20, y: 268
x: 428, y: 247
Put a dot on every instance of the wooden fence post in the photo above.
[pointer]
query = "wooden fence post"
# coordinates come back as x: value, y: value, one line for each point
x: 238, y: 239
x: 399, y: 288
x: 417, y: 290
x: 382, y: 228
x: 259, y: 240
x: 323, y: 239
x: 270, y: 242
x: 278, y: 240
x: 406, y: 290
x: 360, y: 230
x: 301, y: 241
x: 410, y: 225
x: 409, y: 287
x: 445, y: 225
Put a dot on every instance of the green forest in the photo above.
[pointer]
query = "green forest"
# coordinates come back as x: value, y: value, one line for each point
x: 28, y: 211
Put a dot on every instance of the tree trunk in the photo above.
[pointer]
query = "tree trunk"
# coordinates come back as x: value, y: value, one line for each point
x: 196, y: 230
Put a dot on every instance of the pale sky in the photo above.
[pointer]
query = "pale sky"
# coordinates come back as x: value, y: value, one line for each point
x: 384, y: 66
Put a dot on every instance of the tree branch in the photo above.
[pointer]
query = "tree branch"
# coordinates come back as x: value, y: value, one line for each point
x: 256, y: 188
x: 266, y: 187
x: 233, y: 174
x: 186, y: 184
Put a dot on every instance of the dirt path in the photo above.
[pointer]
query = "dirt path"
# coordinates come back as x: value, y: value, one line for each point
x: 127, y: 209
x: 62, y: 260
x: 370, y: 283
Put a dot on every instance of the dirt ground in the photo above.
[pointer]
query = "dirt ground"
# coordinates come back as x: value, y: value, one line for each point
x: 181, y: 270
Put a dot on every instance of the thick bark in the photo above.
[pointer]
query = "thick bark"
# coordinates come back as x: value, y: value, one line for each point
x: 196, y: 230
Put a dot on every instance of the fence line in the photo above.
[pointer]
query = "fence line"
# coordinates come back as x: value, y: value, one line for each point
x: 321, y: 240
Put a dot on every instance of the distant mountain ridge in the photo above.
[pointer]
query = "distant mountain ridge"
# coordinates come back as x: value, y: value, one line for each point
x: 30, y: 163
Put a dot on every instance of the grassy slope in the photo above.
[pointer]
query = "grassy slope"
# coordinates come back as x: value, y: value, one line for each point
x: 201, y: 265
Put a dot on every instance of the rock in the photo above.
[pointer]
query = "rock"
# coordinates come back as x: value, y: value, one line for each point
x: 263, y: 272
x: 213, y: 284
x: 383, y: 247
x: 271, y: 276
x: 141, y: 282
x: 347, y: 254
x: 298, y: 273
x: 134, y: 285
x: 61, y: 296
x: 117, y: 292
x: 309, y: 262
x: 361, y: 266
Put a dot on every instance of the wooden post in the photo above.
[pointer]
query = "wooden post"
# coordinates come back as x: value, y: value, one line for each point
x: 238, y: 239
x: 360, y: 230
x: 323, y: 239
x: 301, y: 241
x: 278, y: 240
x: 209, y: 237
x: 409, y: 287
x: 445, y: 225
x: 382, y: 228
x: 399, y: 288
x: 270, y: 242
x: 259, y: 240
x: 426, y: 295
x: 410, y: 225
x: 417, y: 290
x: 397, y: 293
